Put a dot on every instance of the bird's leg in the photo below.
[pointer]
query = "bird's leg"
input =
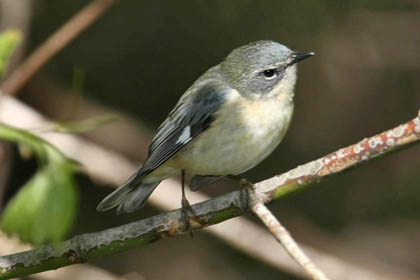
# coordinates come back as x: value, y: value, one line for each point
x: 185, y: 205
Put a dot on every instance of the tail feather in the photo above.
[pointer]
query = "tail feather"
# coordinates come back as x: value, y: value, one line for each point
x: 129, y: 197
x: 137, y: 198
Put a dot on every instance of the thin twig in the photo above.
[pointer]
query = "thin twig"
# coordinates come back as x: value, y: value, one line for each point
x: 89, y: 246
x: 280, y: 233
x: 285, y: 239
x: 54, y: 44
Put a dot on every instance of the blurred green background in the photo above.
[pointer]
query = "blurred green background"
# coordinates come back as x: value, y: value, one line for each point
x: 142, y: 55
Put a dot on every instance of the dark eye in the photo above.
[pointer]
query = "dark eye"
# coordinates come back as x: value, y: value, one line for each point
x: 269, y: 74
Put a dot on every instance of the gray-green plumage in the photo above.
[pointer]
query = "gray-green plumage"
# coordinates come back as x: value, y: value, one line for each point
x: 228, y: 121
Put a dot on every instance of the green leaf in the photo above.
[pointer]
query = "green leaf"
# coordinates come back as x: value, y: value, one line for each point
x: 44, y: 209
x: 8, y: 41
x: 46, y: 152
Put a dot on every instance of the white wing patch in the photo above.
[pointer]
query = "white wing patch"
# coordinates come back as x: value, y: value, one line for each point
x: 185, y: 135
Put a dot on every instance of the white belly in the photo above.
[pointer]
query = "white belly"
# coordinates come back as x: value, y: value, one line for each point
x: 237, y: 140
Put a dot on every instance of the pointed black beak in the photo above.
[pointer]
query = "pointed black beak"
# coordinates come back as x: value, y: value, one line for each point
x: 296, y: 57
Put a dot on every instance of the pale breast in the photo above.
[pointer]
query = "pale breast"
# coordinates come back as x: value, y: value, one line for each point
x: 242, y: 136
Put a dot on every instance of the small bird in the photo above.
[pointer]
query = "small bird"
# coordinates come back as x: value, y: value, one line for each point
x: 227, y: 122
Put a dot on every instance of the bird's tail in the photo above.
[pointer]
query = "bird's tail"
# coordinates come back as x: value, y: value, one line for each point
x: 129, y: 197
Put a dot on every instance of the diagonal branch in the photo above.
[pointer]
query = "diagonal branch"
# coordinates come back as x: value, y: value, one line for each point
x: 61, y: 38
x: 283, y: 236
x: 385, y: 143
x: 89, y: 246
x: 279, y: 232
x: 84, y: 271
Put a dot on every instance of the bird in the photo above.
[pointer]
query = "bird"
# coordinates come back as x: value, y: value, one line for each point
x: 228, y: 121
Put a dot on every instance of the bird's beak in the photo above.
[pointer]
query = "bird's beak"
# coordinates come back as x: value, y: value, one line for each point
x: 296, y: 57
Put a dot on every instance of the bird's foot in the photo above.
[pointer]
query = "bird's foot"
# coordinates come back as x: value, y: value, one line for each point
x: 185, y: 210
x: 246, y: 186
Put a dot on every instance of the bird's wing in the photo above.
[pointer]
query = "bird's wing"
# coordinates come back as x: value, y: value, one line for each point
x: 193, y: 114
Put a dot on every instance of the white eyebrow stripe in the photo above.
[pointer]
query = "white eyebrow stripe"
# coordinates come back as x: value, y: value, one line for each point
x: 185, y: 135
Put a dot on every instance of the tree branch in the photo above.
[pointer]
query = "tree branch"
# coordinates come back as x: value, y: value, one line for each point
x: 54, y: 44
x: 84, y: 271
x: 89, y: 246
x: 285, y: 239
x: 385, y: 143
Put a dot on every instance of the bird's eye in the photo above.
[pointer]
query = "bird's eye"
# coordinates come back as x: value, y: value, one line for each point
x: 269, y: 74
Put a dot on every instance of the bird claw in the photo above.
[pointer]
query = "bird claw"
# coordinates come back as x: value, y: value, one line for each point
x: 186, y: 208
x: 246, y: 186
